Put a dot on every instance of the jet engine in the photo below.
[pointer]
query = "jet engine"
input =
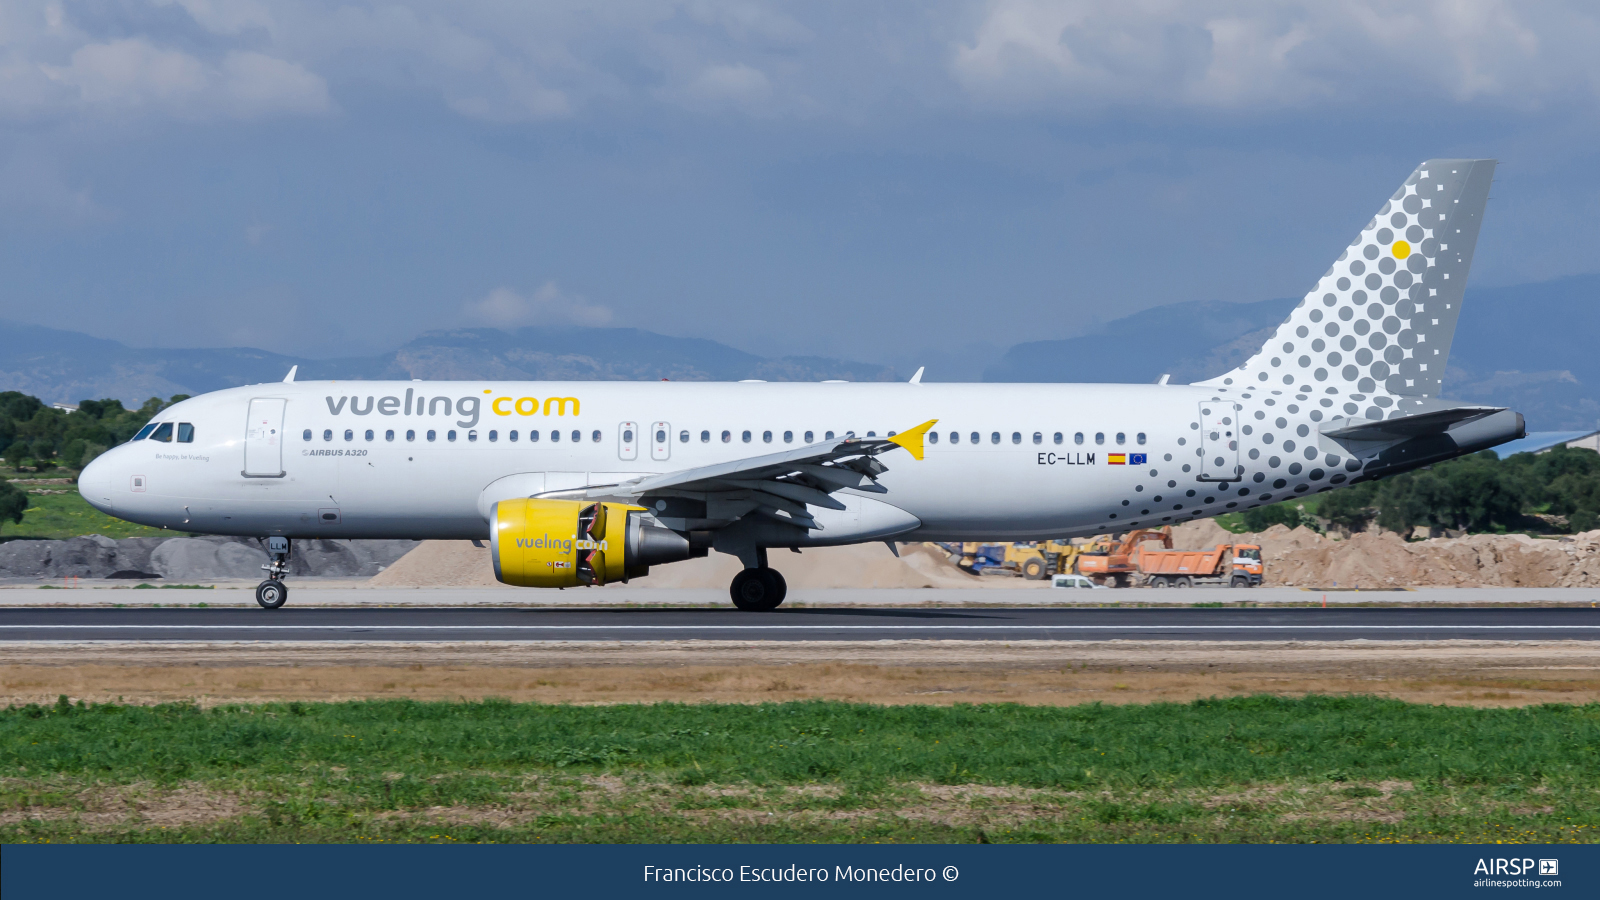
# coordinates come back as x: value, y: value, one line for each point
x: 571, y: 543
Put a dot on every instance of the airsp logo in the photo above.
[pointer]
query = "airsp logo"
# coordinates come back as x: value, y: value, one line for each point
x: 1500, y: 866
x: 1549, y: 867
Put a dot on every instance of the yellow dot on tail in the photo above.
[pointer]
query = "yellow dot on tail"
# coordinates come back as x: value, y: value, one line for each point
x: 1401, y: 249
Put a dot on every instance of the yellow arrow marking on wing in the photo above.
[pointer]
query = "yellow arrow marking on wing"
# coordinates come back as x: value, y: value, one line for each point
x: 912, y: 440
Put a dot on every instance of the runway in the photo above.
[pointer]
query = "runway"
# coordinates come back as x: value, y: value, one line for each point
x: 989, y: 624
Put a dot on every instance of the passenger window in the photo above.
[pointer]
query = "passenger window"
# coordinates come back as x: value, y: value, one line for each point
x: 349, y: 435
x: 828, y: 436
x: 1077, y: 438
x: 1016, y: 437
x: 1058, y: 437
x: 389, y: 435
x: 450, y: 435
x: 594, y: 436
x: 746, y: 437
x: 705, y: 437
x: 994, y: 437
x: 304, y: 434
x: 933, y: 437
x: 145, y: 432
x: 554, y: 436
x: 370, y: 435
x: 1121, y: 439
x: 872, y: 434
x: 578, y: 435
x: 472, y: 436
x: 1140, y: 438
x: 976, y: 439
x: 163, y: 432
x: 512, y: 436
x: 955, y: 437
x: 533, y: 436
x: 327, y: 434
x: 433, y: 435
x: 683, y: 437
x: 1099, y: 437
x: 410, y: 435
x: 811, y: 437
x: 727, y: 436
x: 766, y: 437
x: 185, y: 433
x: 493, y: 436
x: 1038, y: 438
x: 788, y: 437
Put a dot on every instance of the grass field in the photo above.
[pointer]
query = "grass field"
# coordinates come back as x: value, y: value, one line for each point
x: 1244, y: 769
x: 63, y: 513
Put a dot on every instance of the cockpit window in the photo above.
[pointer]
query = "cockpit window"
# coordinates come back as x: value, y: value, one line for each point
x: 1249, y: 553
x: 163, y: 432
x: 185, y: 433
x: 145, y: 431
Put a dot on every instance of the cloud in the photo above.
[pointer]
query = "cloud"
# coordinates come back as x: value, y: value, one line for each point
x: 1258, y: 56
x: 721, y: 88
x: 549, y: 305
x: 135, y: 74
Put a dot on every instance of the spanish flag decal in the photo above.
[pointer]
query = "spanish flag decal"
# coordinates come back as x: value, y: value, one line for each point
x: 1116, y: 459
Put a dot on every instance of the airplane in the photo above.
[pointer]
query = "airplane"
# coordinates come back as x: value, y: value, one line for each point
x: 589, y: 483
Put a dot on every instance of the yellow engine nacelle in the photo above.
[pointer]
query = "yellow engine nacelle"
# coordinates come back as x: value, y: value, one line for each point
x: 572, y: 543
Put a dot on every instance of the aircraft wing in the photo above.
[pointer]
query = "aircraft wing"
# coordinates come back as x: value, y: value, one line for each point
x: 778, y: 485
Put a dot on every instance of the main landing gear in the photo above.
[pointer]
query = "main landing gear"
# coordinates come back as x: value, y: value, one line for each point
x: 759, y: 588
x: 272, y: 593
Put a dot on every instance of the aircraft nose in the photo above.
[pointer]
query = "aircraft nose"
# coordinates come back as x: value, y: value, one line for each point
x: 94, y: 483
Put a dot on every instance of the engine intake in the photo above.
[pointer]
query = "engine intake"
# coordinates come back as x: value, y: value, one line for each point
x: 572, y: 543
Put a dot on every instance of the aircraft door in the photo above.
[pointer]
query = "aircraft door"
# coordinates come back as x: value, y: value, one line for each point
x: 263, y: 439
x: 1219, y: 441
x: 660, y: 440
x: 628, y: 440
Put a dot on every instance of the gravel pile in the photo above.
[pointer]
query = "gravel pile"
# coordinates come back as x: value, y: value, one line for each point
x: 190, y: 558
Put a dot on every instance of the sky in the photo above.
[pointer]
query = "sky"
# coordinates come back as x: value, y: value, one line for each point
x: 902, y: 182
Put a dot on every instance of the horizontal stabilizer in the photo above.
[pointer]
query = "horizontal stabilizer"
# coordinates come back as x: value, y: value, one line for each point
x: 1402, y: 427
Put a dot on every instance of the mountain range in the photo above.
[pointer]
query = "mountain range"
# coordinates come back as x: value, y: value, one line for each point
x: 1531, y: 347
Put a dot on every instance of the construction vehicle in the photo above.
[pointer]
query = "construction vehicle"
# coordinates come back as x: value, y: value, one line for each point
x: 1235, y: 565
x: 1113, y: 564
x: 1033, y: 560
x: 1037, y: 560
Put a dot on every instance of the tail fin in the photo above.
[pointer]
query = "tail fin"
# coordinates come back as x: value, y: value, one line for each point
x: 1381, y: 320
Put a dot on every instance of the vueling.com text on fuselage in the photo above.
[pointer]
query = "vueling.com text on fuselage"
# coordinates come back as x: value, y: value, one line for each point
x: 466, y: 407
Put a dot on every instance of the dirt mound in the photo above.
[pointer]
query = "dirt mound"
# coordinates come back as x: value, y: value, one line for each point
x: 459, y: 564
x: 1302, y: 557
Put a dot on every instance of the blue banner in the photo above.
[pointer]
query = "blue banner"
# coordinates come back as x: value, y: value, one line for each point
x: 245, y: 872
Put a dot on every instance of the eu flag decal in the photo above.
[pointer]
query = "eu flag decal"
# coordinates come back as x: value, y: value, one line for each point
x: 1138, y: 459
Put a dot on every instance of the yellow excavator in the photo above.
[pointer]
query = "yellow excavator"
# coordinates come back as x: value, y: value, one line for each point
x: 1033, y: 560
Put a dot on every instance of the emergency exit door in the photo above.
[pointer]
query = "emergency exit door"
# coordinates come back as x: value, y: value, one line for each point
x: 263, y: 439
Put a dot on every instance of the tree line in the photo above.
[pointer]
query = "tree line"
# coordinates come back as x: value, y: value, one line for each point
x: 1477, y: 493
x: 36, y: 435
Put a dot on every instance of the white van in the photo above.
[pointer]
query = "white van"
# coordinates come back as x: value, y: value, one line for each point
x: 1075, y: 581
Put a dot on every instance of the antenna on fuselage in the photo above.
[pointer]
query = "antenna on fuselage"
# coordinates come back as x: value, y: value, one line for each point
x: 917, y: 378
x: 289, y: 378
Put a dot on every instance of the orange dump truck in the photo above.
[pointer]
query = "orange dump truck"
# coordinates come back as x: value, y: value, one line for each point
x: 1235, y: 565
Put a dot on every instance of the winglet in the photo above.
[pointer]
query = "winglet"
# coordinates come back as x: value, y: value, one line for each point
x: 289, y: 378
x: 912, y: 440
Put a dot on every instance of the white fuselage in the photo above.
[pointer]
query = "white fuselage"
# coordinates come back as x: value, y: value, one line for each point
x: 355, y: 460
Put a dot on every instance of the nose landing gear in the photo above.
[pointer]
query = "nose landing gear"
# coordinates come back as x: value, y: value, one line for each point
x: 272, y: 593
